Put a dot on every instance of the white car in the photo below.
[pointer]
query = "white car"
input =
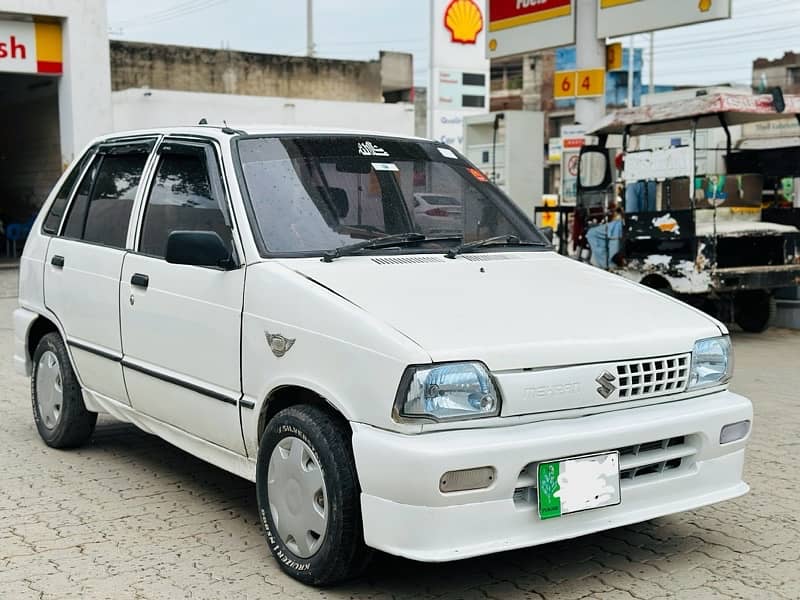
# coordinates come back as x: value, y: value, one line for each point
x: 437, y: 213
x: 253, y: 297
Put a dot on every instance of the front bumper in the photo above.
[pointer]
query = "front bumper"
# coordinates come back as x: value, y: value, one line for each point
x: 405, y: 514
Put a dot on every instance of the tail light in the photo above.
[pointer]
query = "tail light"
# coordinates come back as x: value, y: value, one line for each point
x: 437, y: 212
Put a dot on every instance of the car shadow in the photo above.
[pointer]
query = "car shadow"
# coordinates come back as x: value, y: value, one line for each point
x: 550, y: 568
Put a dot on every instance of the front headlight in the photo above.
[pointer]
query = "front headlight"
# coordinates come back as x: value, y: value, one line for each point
x: 712, y: 362
x: 447, y: 392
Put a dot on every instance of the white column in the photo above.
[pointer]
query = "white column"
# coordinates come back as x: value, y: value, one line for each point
x: 590, y: 54
x: 310, y: 27
x: 84, y: 90
x: 631, y: 57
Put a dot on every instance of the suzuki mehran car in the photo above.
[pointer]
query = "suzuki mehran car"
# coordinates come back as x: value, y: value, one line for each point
x: 268, y: 301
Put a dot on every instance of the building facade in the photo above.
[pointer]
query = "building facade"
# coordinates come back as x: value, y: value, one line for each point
x: 62, y: 83
x: 54, y: 94
x: 783, y: 72
x: 216, y: 71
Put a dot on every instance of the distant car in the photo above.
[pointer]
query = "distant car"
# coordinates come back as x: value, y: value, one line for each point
x: 438, y: 213
x: 269, y: 302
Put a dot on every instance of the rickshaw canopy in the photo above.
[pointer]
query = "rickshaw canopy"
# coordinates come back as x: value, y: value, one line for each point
x: 706, y: 111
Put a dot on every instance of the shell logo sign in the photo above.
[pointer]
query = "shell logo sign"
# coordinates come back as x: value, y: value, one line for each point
x: 30, y: 47
x: 464, y: 20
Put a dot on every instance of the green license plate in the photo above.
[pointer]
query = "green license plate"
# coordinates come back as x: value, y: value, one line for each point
x: 576, y: 484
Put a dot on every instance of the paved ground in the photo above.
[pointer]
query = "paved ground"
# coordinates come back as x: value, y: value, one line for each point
x: 131, y: 517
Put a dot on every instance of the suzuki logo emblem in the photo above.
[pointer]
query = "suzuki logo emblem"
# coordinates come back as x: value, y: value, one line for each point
x: 606, y: 381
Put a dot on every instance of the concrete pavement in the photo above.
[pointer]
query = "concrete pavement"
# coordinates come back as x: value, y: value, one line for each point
x: 131, y: 517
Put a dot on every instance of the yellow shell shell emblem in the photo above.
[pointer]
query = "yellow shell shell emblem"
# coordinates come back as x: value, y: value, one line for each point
x: 705, y: 5
x: 464, y: 21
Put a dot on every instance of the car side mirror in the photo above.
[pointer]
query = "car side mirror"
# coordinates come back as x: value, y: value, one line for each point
x: 547, y: 232
x: 594, y: 169
x: 198, y: 248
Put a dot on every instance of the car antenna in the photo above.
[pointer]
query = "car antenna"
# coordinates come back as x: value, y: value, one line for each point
x: 203, y: 121
x: 231, y: 130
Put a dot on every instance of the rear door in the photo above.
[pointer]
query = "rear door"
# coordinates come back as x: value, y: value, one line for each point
x: 83, y: 264
x: 181, y: 324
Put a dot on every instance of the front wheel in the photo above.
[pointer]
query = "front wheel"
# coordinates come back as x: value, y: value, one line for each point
x: 308, y: 497
x: 58, y: 409
x: 754, y: 310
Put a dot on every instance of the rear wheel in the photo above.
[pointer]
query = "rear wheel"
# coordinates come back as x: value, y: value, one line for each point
x: 308, y: 497
x: 58, y: 409
x: 754, y: 310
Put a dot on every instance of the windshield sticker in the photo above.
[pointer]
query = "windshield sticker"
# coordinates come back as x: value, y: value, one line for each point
x: 477, y: 174
x: 370, y: 149
x: 447, y: 153
x: 385, y: 167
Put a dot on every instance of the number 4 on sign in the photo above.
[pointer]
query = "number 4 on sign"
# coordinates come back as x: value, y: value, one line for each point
x: 591, y: 82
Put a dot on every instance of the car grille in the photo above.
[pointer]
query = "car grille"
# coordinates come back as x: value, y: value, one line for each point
x: 653, y: 377
x: 637, y: 463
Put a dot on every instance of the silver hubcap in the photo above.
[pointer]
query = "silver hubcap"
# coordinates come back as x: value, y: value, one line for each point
x: 49, y: 389
x: 298, y: 500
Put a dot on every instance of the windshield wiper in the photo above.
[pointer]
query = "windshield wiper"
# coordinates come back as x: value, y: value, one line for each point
x: 378, y: 242
x: 500, y: 240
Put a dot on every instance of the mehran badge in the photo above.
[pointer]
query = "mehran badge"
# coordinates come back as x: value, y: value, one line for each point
x: 278, y: 344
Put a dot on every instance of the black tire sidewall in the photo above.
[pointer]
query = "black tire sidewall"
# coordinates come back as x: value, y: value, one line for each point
x: 75, y: 424
x: 754, y: 310
x: 333, y: 561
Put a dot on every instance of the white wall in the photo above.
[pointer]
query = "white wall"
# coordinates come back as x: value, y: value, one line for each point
x: 85, y: 87
x: 144, y: 108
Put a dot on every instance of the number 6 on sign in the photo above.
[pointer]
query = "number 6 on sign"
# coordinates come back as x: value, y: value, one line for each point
x: 564, y: 84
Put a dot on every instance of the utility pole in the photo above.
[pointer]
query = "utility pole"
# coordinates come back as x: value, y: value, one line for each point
x: 652, y: 76
x: 631, y: 57
x: 309, y: 27
x: 431, y: 73
x: 590, y: 53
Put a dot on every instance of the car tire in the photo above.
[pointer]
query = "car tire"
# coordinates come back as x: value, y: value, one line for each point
x: 310, y: 437
x: 58, y: 409
x: 754, y: 310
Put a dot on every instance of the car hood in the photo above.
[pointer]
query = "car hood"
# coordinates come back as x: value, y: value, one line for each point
x: 513, y: 310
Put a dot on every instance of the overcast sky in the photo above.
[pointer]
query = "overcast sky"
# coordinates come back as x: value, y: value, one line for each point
x: 701, y: 54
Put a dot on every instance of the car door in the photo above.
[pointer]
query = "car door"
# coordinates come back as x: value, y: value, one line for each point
x: 83, y: 263
x: 181, y: 324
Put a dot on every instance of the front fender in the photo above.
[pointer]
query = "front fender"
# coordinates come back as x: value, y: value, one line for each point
x: 340, y: 352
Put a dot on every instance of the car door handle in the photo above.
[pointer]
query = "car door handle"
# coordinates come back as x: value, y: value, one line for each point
x: 57, y: 261
x: 140, y: 280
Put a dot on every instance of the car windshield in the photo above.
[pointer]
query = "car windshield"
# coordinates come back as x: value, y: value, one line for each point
x: 310, y: 195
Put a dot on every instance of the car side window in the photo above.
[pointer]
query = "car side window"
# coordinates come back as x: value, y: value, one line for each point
x: 186, y: 195
x: 102, y: 205
x: 52, y: 221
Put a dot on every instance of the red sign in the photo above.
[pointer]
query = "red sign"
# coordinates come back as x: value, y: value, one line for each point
x: 510, y: 13
x: 573, y: 142
x: 572, y: 165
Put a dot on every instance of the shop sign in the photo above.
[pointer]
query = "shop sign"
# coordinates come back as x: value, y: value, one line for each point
x: 30, y: 47
x: 464, y: 20
x: 624, y: 17
x: 519, y: 26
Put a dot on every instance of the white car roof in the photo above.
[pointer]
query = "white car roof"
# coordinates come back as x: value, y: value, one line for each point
x: 222, y: 132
